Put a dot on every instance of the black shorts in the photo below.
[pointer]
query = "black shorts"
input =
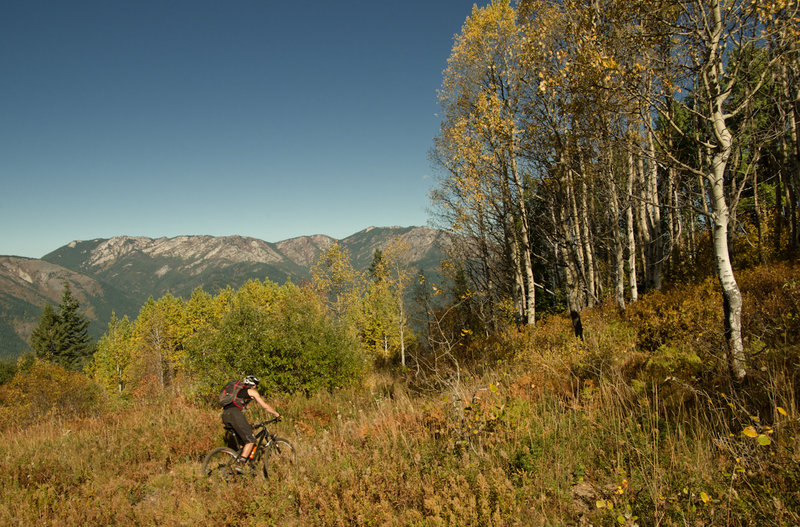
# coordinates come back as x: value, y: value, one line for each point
x: 235, y: 418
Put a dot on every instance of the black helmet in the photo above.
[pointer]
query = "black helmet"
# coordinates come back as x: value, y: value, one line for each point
x: 251, y: 380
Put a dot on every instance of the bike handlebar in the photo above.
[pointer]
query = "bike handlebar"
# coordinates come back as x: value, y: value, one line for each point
x: 262, y: 424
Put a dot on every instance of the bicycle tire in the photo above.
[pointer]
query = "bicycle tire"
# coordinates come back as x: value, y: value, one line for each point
x: 280, y: 458
x: 220, y: 465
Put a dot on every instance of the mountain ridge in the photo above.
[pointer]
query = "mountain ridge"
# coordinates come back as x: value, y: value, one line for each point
x: 118, y: 274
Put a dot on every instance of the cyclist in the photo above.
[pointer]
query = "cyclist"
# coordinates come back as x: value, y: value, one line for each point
x: 233, y: 415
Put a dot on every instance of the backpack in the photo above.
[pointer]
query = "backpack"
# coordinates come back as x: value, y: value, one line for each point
x: 229, y: 394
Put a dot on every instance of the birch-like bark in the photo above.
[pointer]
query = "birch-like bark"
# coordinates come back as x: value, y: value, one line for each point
x: 732, y: 297
x: 654, y: 215
x: 713, y: 76
x: 613, y: 215
x: 629, y: 220
x: 643, y: 225
x: 527, y: 261
x: 519, y: 280
x: 591, y: 286
x: 575, y: 240
x: 567, y: 262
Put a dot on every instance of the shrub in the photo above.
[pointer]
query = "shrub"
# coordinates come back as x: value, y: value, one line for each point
x: 292, y: 344
x: 46, y: 389
x: 8, y: 368
x: 771, y: 296
x: 683, y: 320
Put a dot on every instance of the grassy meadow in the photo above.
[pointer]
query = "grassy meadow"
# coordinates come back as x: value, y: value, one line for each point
x: 636, y: 425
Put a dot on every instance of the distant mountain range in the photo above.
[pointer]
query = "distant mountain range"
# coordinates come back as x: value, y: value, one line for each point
x: 119, y: 274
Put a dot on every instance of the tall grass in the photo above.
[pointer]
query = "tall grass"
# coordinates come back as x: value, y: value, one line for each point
x: 620, y: 429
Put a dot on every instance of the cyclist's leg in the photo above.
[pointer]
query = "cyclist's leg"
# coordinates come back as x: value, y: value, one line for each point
x: 236, y: 419
x: 246, y: 450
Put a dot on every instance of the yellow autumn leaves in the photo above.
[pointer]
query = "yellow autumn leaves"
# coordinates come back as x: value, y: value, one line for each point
x: 762, y: 435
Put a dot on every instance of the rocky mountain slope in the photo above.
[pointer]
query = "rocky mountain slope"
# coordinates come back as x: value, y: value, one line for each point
x: 26, y: 284
x: 120, y: 273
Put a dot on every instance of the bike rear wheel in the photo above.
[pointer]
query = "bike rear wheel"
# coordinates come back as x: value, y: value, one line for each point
x: 220, y: 465
x: 279, y: 459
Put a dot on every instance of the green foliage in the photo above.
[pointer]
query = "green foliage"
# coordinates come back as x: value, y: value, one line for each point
x: 668, y: 361
x: 111, y: 364
x: 283, y: 334
x: 337, y: 280
x: 160, y: 334
x: 8, y: 368
x: 371, y: 305
x: 62, y: 335
x: 383, y: 327
x: 25, y: 362
x: 291, y: 344
x: 47, y: 337
x: 76, y: 347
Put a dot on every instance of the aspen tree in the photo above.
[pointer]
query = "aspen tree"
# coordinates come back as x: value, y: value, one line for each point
x: 111, y: 363
x: 480, y: 147
x: 707, y: 33
x: 338, y: 281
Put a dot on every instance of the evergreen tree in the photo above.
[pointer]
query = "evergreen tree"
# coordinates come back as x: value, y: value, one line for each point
x: 375, y: 269
x: 76, y: 348
x: 62, y: 335
x: 47, y: 337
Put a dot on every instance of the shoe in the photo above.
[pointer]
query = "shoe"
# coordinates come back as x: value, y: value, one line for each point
x: 240, y: 467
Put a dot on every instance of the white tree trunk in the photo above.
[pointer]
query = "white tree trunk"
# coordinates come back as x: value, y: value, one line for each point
x: 576, y: 243
x: 732, y: 297
x: 527, y: 261
x: 632, y: 282
x: 619, y: 253
x: 591, y: 286
x: 402, y: 329
x: 654, y: 215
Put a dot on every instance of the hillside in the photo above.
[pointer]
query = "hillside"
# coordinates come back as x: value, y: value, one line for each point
x: 26, y: 284
x: 635, y: 425
x: 119, y: 274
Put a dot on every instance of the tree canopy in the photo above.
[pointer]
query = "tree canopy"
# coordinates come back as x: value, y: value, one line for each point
x: 589, y: 147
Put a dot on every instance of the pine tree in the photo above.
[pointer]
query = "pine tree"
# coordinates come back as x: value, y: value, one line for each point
x: 47, y: 337
x: 76, y: 347
x: 62, y: 336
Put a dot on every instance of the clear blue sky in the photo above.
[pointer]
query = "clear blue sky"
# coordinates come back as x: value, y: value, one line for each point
x: 270, y: 119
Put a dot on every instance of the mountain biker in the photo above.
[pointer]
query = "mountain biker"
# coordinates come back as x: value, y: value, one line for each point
x: 233, y: 415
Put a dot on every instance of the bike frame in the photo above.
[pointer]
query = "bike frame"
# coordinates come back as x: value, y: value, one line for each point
x: 263, y: 438
x: 222, y: 461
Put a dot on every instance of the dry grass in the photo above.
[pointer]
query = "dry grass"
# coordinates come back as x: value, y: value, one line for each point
x: 613, y: 430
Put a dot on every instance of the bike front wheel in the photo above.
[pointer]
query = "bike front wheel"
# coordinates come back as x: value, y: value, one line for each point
x: 279, y: 459
x: 220, y: 465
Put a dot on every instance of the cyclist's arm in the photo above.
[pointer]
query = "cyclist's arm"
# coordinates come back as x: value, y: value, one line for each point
x: 255, y: 395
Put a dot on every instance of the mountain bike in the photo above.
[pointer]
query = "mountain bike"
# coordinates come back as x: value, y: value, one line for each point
x: 271, y: 454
